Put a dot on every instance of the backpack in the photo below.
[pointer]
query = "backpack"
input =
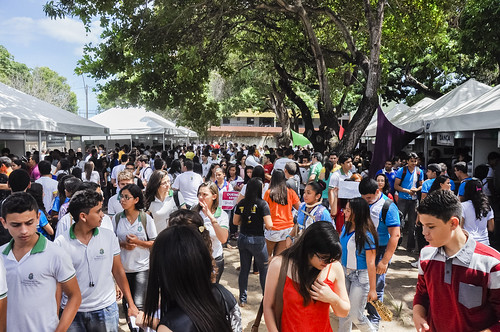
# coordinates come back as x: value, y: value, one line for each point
x: 405, y: 170
x: 175, y: 194
x: 142, y: 220
x: 385, y: 209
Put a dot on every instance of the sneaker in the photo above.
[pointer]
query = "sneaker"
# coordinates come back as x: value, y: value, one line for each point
x: 242, y: 304
x: 414, y: 264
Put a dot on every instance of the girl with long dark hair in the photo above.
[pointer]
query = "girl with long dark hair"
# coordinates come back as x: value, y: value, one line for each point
x: 441, y: 182
x: 359, y: 248
x: 383, y: 185
x: 281, y: 199
x: 477, y: 214
x: 252, y: 214
x: 314, y: 283
x: 36, y: 190
x: 233, y: 178
x: 180, y: 286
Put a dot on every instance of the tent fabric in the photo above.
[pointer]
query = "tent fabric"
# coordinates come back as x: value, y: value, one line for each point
x: 371, y: 130
x: 442, y: 107
x: 138, y: 121
x: 478, y: 114
x: 22, y: 112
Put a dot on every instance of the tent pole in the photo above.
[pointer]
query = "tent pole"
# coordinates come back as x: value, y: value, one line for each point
x: 163, y: 141
x: 107, y: 145
x: 40, y: 141
x: 24, y: 141
x: 473, y: 150
x: 426, y: 146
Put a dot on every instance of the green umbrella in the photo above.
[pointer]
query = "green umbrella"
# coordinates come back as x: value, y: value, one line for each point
x: 299, y: 139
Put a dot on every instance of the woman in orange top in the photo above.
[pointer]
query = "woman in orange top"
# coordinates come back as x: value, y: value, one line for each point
x: 314, y: 283
x: 281, y: 199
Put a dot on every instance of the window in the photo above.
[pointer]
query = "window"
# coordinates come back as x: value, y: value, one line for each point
x: 266, y: 122
x: 226, y: 121
x: 250, y: 121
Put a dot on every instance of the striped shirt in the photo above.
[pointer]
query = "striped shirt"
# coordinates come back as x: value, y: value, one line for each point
x: 461, y: 292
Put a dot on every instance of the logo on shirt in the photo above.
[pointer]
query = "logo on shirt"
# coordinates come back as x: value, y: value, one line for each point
x: 101, y: 251
x: 30, y: 276
x: 30, y: 281
x: 139, y: 228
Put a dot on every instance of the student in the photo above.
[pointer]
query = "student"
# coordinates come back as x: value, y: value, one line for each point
x: 388, y: 171
x: 457, y: 288
x: 95, y: 254
x: 315, y: 167
x: 188, y: 183
x: 460, y: 169
x: 123, y: 178
x: 35, y: 266
x: 477, y: 214
x: 336, y: 204
x: 49, y: 184
x: 433, y: 171
x: 3, y: 298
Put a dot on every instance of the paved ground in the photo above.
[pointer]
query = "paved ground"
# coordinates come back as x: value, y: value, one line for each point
x: 400, y: 289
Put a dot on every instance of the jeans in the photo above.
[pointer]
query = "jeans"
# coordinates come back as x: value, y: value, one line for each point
x: 103, y: 320
x: 373, y: 315
x: 138, y: 282
x: 357, y: 285
x: 409, y: 209
x: 249, y: 246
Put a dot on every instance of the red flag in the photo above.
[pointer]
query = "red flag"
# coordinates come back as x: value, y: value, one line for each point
x: 341, y: 131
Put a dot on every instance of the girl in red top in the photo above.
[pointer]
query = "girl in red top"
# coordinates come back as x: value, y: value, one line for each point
x: 314, y: 282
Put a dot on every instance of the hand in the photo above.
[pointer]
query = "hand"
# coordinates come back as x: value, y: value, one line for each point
x: 139, y: 320
x: 119, y: 294
x: 420, y: 323
x: 132, y: 239
x: 133, y: 311
x: 336, y: 190
x: 205, y: 209
x: 382, y: 267
x: 322, y: 292
x: 127, y: 246
x: 372, y: 295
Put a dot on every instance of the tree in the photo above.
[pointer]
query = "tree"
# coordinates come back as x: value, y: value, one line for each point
x: 40, y: 82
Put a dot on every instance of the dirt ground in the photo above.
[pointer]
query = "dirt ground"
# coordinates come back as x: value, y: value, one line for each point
x: 401, y: 280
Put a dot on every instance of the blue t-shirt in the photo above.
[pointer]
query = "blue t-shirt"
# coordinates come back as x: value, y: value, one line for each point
x: 391, y: 176
x: 391, y: 219
x: 57, y: 204
x: 408, y: 181
x: 319, y: 213
x: 351, y: 258
x: 461, y: 189
x: 43, y: 221
x: 427, y: 185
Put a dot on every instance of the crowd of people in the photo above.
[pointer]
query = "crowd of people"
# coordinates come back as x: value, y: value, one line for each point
x: 83, y: 230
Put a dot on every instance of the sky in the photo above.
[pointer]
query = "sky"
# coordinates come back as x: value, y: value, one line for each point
x: 38, y: 41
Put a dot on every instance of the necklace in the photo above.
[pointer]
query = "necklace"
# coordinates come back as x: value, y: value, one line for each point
x: 309, y: 206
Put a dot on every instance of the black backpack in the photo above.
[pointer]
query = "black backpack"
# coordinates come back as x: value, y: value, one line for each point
x: 385, y: 209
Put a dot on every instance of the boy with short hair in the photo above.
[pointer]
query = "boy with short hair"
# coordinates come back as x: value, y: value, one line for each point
x: 458, y: 286
x: 34, y: 267
x: 95, y: 254
x: 123, y: 178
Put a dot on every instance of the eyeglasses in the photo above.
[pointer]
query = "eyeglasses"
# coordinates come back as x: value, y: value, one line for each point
x: 165, y: 183
x: 125, y: 197
x: 326, y: 260
x: 223, y: 165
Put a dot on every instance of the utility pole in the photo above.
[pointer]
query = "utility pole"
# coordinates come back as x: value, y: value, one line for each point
x: 86, y: 87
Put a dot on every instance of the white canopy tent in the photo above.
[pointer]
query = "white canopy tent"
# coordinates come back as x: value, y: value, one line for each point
x: 22, y: 113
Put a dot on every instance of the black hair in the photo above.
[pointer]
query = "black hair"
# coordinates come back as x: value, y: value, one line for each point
x: 180, y: 276
x: 71, y: 184
x: 124, y: 158
x: 77, y: 172
x: 441, y: 204
x: 291, y: 167
x: 188, y: 163
x: 368, y: 186
x: 278, y: 190
x: 60, y: 187
x: 152, y: 187
x: 175, y: 167
x: 65, y: 165
x: 18, y: 202
x: 88, y: 186
x: 137, y: 193
x: 194, y: 219
x: 481, y: 171
x: 328, y: 165
x: 386, y: 187
x: 360, y: 217
x: 44, y: 167
x: 36, y: 190
x: 461, y: 166
x: 158, y: 163
x: 437, y: 182
x: 83, y: 201
x: 228, y: 175
x: 259, y: 172
x: 317, y: 186
x: 344, y: 157
x: 412, y: 155
x: 19, y: 180
x: 247, y: 178
x: 211, y: 171
x: 252, y: 194
x: 474, y: 192
x: 319, y: 238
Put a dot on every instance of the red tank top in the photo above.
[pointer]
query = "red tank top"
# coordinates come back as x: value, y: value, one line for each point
x: 297, y: 318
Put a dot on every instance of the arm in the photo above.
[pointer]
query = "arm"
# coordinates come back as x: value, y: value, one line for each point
x: 394, y: 233
x: 3, y: 315
x: 269, y: 294
x: 268, y: 222
x: 332, y: 199
x: 222, y: 233
x: 122, y: 282
x: 71, y: 289
x: 297, y: 205
x: 132, y: 239
x: 338, y: 297
x: 397, y: 186
x: 491, y: 225
x: 48, y: 229
x: 372, y: 274
x: 420, y: 318
x: 236, y: 219
x: 424, y: 195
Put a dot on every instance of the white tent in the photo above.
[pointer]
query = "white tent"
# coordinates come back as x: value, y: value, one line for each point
x: 442, y: 107
x: 478, y: 114
x: 371, y: 130
x: 22, y: 112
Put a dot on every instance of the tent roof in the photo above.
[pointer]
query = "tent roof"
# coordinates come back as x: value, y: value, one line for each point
x: 443, y: 106
x: 20, y: 111
x: 480, y: 113
x: 371, y: 130
x: 137, y: 121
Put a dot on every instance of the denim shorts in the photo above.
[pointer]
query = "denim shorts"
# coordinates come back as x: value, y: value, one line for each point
x: 277, y: 236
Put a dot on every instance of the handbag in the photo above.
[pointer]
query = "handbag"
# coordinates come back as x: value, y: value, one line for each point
x: 384, y: 312
x: 278, y: 299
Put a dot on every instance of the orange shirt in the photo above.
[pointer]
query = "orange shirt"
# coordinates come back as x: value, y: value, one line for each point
x: 282, y: 214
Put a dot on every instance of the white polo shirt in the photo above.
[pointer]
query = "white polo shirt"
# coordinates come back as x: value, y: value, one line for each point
x: 338, y: 176
x: 114, y: 205
x: 161, y: 210
x: 117, y: 169
x: 3, y: 281
x: 188, y: 183
x: 93, y: 264
x: 65, y: 223
x: 223, y: 220
x: 32, y: 285
x: 137, y: 259
x: 49, y: 191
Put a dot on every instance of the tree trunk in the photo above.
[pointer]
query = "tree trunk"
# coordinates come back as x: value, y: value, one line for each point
x: 278, y: 106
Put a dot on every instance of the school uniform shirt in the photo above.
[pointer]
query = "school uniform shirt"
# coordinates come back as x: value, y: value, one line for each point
x: 255, y: 224
x: 461, y: 188
x: 315, y: 170
x: 42, y: 222
x: 460, y: 293
x: 391, y: 176
x: 409, y: 182
x: 146, y: 173
x: 3, y: 281
x: 161, y: 210
x: 188, y: 183
x: 252, y: 161
x: 264, y: 189
x: 94, y: 177
x: 226, y: 186
x: 318, y: 213
x: 93, y: 264
x: 49, y: 191
x: 351, y: 258
x: 137, y: 259
x: 427, y: 185
x: 338, y: 176
x: 205, y: 167
x: 32, y: 283
x: 65, y: 223
x: 280, y: 163
x: 117, y: 169
x: 477, y: 228
x: 114, y: 205
x: 391, y: 219
x: 223, y: 220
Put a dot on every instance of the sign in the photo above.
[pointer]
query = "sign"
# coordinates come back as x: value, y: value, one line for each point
x: 55, y: 141
x: 349, y: 189
x: 447, y: 139
x: 229, y: 199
